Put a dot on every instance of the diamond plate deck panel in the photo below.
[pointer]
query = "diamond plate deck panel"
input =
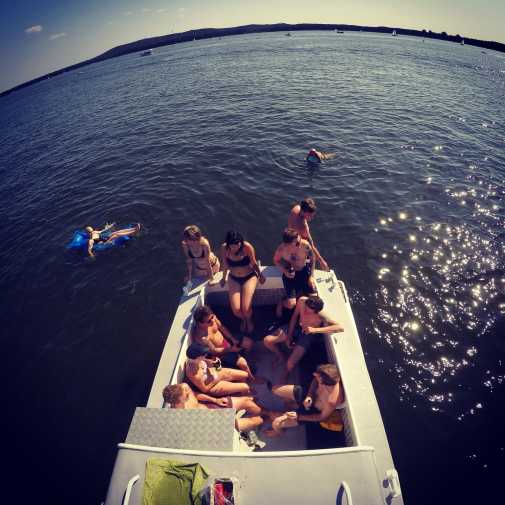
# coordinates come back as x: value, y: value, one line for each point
x: 198, y: 429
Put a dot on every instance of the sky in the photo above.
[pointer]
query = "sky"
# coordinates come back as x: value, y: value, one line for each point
x: 39, y: 36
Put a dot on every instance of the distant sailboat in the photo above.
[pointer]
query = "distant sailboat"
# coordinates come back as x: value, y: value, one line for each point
x: 462, y: 42
x: 394, y: 33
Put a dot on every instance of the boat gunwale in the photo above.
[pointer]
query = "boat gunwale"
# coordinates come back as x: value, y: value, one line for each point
x: 235, y: 454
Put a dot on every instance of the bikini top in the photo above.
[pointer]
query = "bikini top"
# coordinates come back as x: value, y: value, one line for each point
x: 239, y: 263
x: 196, y: 257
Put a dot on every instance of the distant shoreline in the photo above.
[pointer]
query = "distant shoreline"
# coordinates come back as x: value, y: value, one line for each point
x: 208, y: 33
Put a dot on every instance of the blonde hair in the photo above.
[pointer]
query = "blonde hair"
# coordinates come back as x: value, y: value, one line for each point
x: 192, y: 232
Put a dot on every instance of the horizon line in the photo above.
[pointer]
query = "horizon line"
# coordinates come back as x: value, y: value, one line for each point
x: 207, y: 33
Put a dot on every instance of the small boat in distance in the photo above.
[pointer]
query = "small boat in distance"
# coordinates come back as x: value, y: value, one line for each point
x: 462, y: 42
x: 147, y: 52
x: 394, y: 33
x: 339, y: 31
x: 288, y: 34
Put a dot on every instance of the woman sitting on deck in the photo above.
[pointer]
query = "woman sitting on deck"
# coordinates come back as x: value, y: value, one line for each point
x: 211, y: 332
x: 317, y: 403
x: 239, y: 257
x: 206, y: 374
x: 181, y: 396
x: 200, y: 260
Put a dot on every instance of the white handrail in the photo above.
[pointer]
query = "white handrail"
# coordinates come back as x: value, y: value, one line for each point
x: 394, y: 483
x: 347, y: 492
x: 129, y: 488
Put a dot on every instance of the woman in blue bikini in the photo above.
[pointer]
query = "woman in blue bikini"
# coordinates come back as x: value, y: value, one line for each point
x: 239, y: 258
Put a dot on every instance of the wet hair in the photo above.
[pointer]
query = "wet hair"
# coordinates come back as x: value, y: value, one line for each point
x: 196, y: 350
x: 315, y: 303
x: 202, y: 313
x: 172, y: 394
x: 329, y: 374
x: 289, y: 235
x: 234, y: 237
x: 192, y: 232
x: 308, y: 205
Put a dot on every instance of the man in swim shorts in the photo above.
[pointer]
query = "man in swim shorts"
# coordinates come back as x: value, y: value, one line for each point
x: 294, y: 258
x: 299, y: 218
x: 206, y: 374
x: 306, y: 325
x: 181, y: 396
x: 316, y: 403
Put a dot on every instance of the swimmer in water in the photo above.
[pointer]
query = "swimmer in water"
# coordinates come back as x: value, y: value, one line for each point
x: 315, y: 156
x: 97, y: 236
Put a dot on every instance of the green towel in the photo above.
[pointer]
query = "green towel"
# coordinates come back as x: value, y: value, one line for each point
x: 170, y: 482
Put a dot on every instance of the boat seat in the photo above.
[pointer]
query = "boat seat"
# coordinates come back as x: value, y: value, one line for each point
x: 194, y: 429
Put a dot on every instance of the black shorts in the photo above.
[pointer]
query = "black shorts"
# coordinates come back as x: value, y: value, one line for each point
x: 305, y: 340
x: 299, y: 284
x: 229, y: 360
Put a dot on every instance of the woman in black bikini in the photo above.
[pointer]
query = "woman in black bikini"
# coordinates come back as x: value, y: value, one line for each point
x: 201, y: 261
x: 97, y: 236
x: 239, y: 258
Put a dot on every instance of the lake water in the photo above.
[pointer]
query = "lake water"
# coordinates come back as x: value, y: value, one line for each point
x: 411, y: 216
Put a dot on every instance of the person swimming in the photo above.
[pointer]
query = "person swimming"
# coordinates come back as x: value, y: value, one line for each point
x: 315, y: 156
x: 99, y: 236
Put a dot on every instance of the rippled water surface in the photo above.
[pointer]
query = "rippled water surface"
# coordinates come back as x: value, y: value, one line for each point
x: 411, y: 216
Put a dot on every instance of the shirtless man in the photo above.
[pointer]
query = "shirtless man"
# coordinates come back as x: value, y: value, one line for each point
x: 208, y: 376
x: 210, y: 331
x: 316, y: 403
x: 299, y: 217
x: 306, y: 324
x: 181, y: 396
x: 294, y: 258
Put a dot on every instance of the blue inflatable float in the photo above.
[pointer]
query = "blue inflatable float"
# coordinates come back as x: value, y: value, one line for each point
x: 81, y: 238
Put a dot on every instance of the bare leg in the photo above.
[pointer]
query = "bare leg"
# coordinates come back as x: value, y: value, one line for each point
x: 247, y: 403
x: 232, y: 375
x: 271, y: 342
x: 286, y: 392
x: 295, y: 356
x: 243, y: 365
x: 246, y: 302
x: 248, y: 423
x: 123, y: 233
x: 225, y: 388
x: 234, y: 295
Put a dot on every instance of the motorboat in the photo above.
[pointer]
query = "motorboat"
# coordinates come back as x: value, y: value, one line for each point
x: 147, y: 52
x: 352, y: 466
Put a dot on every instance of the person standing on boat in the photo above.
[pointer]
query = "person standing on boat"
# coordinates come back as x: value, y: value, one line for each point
x: 299, y: 218
x: 294, y: 258
x: 306, y: 324
x: 211, y: 332
x: 207, y: 374
x: 316, y: 403
x: 200, y: 259
x: 239, y: 258
x: 99, y: 236
x: 181, y: 396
